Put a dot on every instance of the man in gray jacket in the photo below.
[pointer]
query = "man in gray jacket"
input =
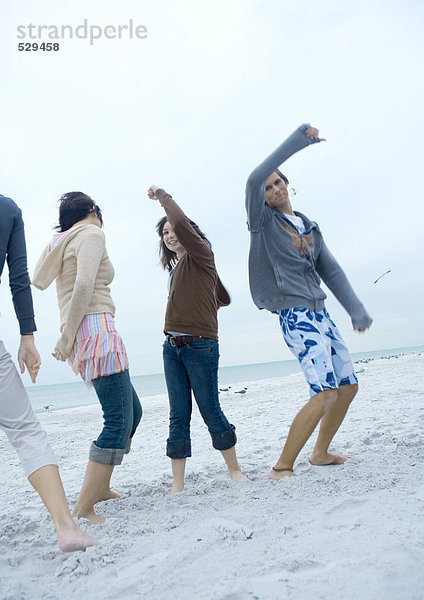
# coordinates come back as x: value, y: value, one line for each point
x: 288, y: 258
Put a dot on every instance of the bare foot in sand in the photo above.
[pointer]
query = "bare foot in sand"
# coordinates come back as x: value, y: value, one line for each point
x: 175, y: 490
x: 328, y: 459
x: 276, y: 474
x: 90, y: 515
x: 178, y: 470
x: 237, y: 476
x: 72, y: 538
x: 233, y: 467
x: 108, y: 495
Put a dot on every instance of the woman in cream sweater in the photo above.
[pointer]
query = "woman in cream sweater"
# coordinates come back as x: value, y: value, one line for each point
x: 77, y: 260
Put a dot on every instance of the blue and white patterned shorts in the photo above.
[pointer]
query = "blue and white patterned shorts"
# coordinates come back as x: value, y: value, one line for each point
x: 316, y: 342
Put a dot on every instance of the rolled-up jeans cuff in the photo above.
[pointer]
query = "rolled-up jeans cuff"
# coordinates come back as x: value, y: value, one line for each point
x: 224, y: 440
x: 107, y: 456
x: 128, y: 446
x: 178, y: 448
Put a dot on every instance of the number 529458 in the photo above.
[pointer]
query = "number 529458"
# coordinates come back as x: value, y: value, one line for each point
x: 34, y: 47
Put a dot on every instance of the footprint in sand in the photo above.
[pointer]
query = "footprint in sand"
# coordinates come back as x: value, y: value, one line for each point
x: 225, y: 529
x: 345, y: 505
x: 173, y: 522
x: 269, y: 585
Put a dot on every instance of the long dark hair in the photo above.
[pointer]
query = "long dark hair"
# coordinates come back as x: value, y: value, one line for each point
x: 282, y: 176
x: 75, y: 206
x: 167, y: 257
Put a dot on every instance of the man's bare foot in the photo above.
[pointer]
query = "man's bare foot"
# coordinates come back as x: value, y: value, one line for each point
x: 108, y: 495
x: 276, y: 474
x: 72, y: 538
x: 328, y: 459
x: 90, y: 515
x: 176, y: 489
x: 237, y: 476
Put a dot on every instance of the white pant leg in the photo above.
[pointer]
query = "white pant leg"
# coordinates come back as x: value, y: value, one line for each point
x: 18, y: 421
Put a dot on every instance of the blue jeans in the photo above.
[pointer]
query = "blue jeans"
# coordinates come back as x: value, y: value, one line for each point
x: 194, y: 367
x: 121, y: 414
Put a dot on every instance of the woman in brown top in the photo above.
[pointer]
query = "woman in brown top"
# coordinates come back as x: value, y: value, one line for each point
x: 190, y: 350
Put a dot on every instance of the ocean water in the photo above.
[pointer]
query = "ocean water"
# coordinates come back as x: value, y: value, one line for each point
x: 72, y: 395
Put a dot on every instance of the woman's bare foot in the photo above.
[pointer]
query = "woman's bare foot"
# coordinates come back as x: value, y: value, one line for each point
x: 178, y: 470
x: 88, y: 514
x: 95, y: 488
x: 71, y: 538
x: 276, y: 474
x: 328, y: 459
x: 176, y: 489
x: 233, y: 467
x: 237, y: 476
x: 108, y: 495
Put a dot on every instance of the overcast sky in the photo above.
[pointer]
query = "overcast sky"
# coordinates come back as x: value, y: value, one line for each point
x: 193, y: 108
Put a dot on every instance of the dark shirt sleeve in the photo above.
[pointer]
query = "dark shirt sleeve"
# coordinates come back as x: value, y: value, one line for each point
x: 13, y: 242
x: 193, y: 244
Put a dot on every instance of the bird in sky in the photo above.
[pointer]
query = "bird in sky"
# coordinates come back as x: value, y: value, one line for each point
x: 378, y: 278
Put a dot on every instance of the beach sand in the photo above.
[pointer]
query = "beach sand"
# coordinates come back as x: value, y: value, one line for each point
x: 354, y: 531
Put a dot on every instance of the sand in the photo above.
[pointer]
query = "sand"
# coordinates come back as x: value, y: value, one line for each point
x: 354, y: 531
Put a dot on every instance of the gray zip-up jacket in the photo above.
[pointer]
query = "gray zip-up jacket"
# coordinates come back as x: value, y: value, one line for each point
x: 285, y: 267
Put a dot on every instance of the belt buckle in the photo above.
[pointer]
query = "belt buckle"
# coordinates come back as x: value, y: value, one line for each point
x: 172, y: 341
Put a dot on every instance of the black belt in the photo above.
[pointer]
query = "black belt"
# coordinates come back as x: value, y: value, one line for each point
x: 181, y: 340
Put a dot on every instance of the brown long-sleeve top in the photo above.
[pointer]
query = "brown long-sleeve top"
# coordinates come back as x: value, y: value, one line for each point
x: 195, y: 292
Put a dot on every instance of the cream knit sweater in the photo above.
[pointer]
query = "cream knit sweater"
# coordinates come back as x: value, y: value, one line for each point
x: 81, y: 267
